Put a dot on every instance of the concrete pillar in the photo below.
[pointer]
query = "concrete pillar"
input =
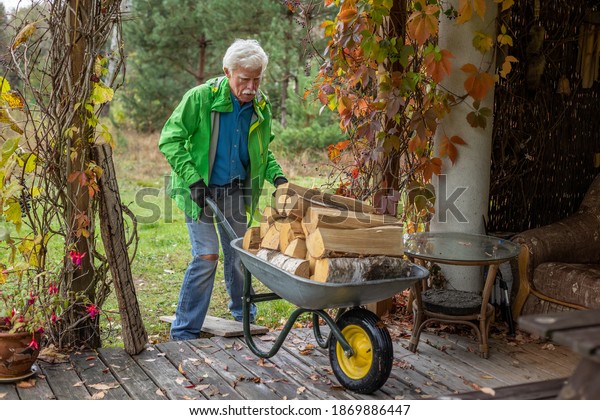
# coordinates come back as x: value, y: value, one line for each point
x: 463, y: 188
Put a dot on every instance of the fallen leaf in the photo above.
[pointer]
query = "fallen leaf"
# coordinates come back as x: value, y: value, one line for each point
x: 548, y: 346
x: 98, y: 395
x: 248, y: 358
x: 90, y: 358
x: 487, y: 376
x: 180, y: 369
x: 2, y: 395
x: 159, y: 392
x: 79, y: 384
x: 30, y: 383
x: 105, y: 387
x: 487, y: 390
x: 300, y: 390
x: 150, y: 360
x: 185, y: 397
x: 201, y: 387
x: 263, y: 363
x: 266, y: 338
x: 180, y: 380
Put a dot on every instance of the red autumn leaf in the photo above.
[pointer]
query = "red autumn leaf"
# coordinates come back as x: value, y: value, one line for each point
x: 423, y: 24
x: 344, y: 105
x: 448, y: 149
x: 457, y: 140
x: 438, y: 69
x: 478, y: 83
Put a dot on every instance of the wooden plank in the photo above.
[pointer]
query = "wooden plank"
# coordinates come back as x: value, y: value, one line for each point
x: 96, y: 376
x: 296, y: 345
x: 518, y: 357
x: 173, y: 384
x: 444, y: 369
x: 64, y: 381
x: 320, y: 384
x: 540, y: 390
x: 198, y: 371
x: 240, y: 378
x: 553, y: 353
x: 8, y: 391
x: 223, y: 327
x: 41, y: 390
x: 271, y: 374
x: 585, y: 341
x: 131, y: 377
x: 545, y: 325
x: 499, y: 365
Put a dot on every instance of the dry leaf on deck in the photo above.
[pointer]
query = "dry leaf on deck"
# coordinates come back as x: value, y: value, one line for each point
x: 180, y: 369
x: 300, y: 390
x: 487, y: 376
x: 201, y: 387
x: 105, y: 387
x: 99, y: 395
x: 2, y: 395
x: 487, y: 390
x: 159, y: 392
x: 30, y: 383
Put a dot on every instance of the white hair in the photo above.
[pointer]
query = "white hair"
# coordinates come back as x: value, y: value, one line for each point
x: 247, y: 54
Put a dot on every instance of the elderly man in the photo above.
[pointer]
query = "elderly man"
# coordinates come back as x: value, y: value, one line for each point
x: 217, y: 143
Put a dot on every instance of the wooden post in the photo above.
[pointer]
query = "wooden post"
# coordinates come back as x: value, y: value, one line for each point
x: 113, y: 237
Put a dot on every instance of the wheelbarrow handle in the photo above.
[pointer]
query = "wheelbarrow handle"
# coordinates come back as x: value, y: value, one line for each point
x: 221, y: 218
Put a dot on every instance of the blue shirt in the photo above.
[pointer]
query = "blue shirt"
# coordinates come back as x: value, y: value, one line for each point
x: 232, y: 158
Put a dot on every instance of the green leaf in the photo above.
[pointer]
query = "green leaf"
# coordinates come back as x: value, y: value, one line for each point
x: 8, y: 148
x: 101, y: 93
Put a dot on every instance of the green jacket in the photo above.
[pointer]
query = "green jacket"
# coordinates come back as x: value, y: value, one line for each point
x: 189, y: 142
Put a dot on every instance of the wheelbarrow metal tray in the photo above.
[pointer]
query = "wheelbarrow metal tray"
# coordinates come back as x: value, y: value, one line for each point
x: 310, y: 294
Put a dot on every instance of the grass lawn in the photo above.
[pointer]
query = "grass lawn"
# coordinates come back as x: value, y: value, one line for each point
x: 163, y: 250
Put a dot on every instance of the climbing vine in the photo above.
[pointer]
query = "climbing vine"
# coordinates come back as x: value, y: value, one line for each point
x: 383, y: 72
x: 63, y: 67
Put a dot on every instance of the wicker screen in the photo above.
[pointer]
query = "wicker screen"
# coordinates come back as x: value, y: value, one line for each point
x: 546, y: 116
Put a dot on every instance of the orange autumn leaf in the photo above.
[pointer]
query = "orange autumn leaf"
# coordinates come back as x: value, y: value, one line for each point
x: 438, y: 69
x: 479, y: 83
x: 465, y: 11
x: 430, y: 167
x: 507, y: 65
x: 347, y: 15
x: 448, y: 149
x: 479, y: 6
x: 423, y: 24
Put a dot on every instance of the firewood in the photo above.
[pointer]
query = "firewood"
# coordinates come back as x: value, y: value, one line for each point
x: 292, y: 199
x: 317, y: 217
x: 292, y: 265
x: 271, y: 239
x: 325, y: 242
x: 251, y: 239
x: 289, y: 229
x: 269, y: 217
x: 296, y: 249
x: 357, y: 270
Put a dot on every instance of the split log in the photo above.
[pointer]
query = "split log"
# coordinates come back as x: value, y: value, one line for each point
x: 325, y: 242
x: 358, y: 270
x: 292, y: 265
x: 269, y: 217
x: 271, y: 239
x: 251, y: 239
x: 296, y: 249
x: 294, y: 200
x: 289, y: 230
x: 317, y: 217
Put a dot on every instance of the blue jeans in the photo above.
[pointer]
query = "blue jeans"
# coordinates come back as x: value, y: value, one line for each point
x: 196, y: 290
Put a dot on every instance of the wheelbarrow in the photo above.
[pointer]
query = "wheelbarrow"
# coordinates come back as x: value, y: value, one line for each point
x: 359, y: 344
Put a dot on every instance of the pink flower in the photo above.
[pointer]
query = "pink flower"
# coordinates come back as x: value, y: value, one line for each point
x: 93, y: 310
x: 52, y: 290
x: 31, y: 299
x: 54, y: 318
x: 33, y: 344
x: 76, y: 258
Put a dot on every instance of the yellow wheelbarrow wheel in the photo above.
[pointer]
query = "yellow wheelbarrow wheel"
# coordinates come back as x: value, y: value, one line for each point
x: 369, y: 367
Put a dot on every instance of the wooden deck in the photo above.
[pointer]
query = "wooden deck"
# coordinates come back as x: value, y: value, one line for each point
x: 224, y: 368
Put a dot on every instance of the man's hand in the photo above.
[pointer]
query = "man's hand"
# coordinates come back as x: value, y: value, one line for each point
x: 280, y: 180
x: 199, y: 192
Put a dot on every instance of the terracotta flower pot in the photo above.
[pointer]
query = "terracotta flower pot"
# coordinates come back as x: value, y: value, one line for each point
x: 16, y: 357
